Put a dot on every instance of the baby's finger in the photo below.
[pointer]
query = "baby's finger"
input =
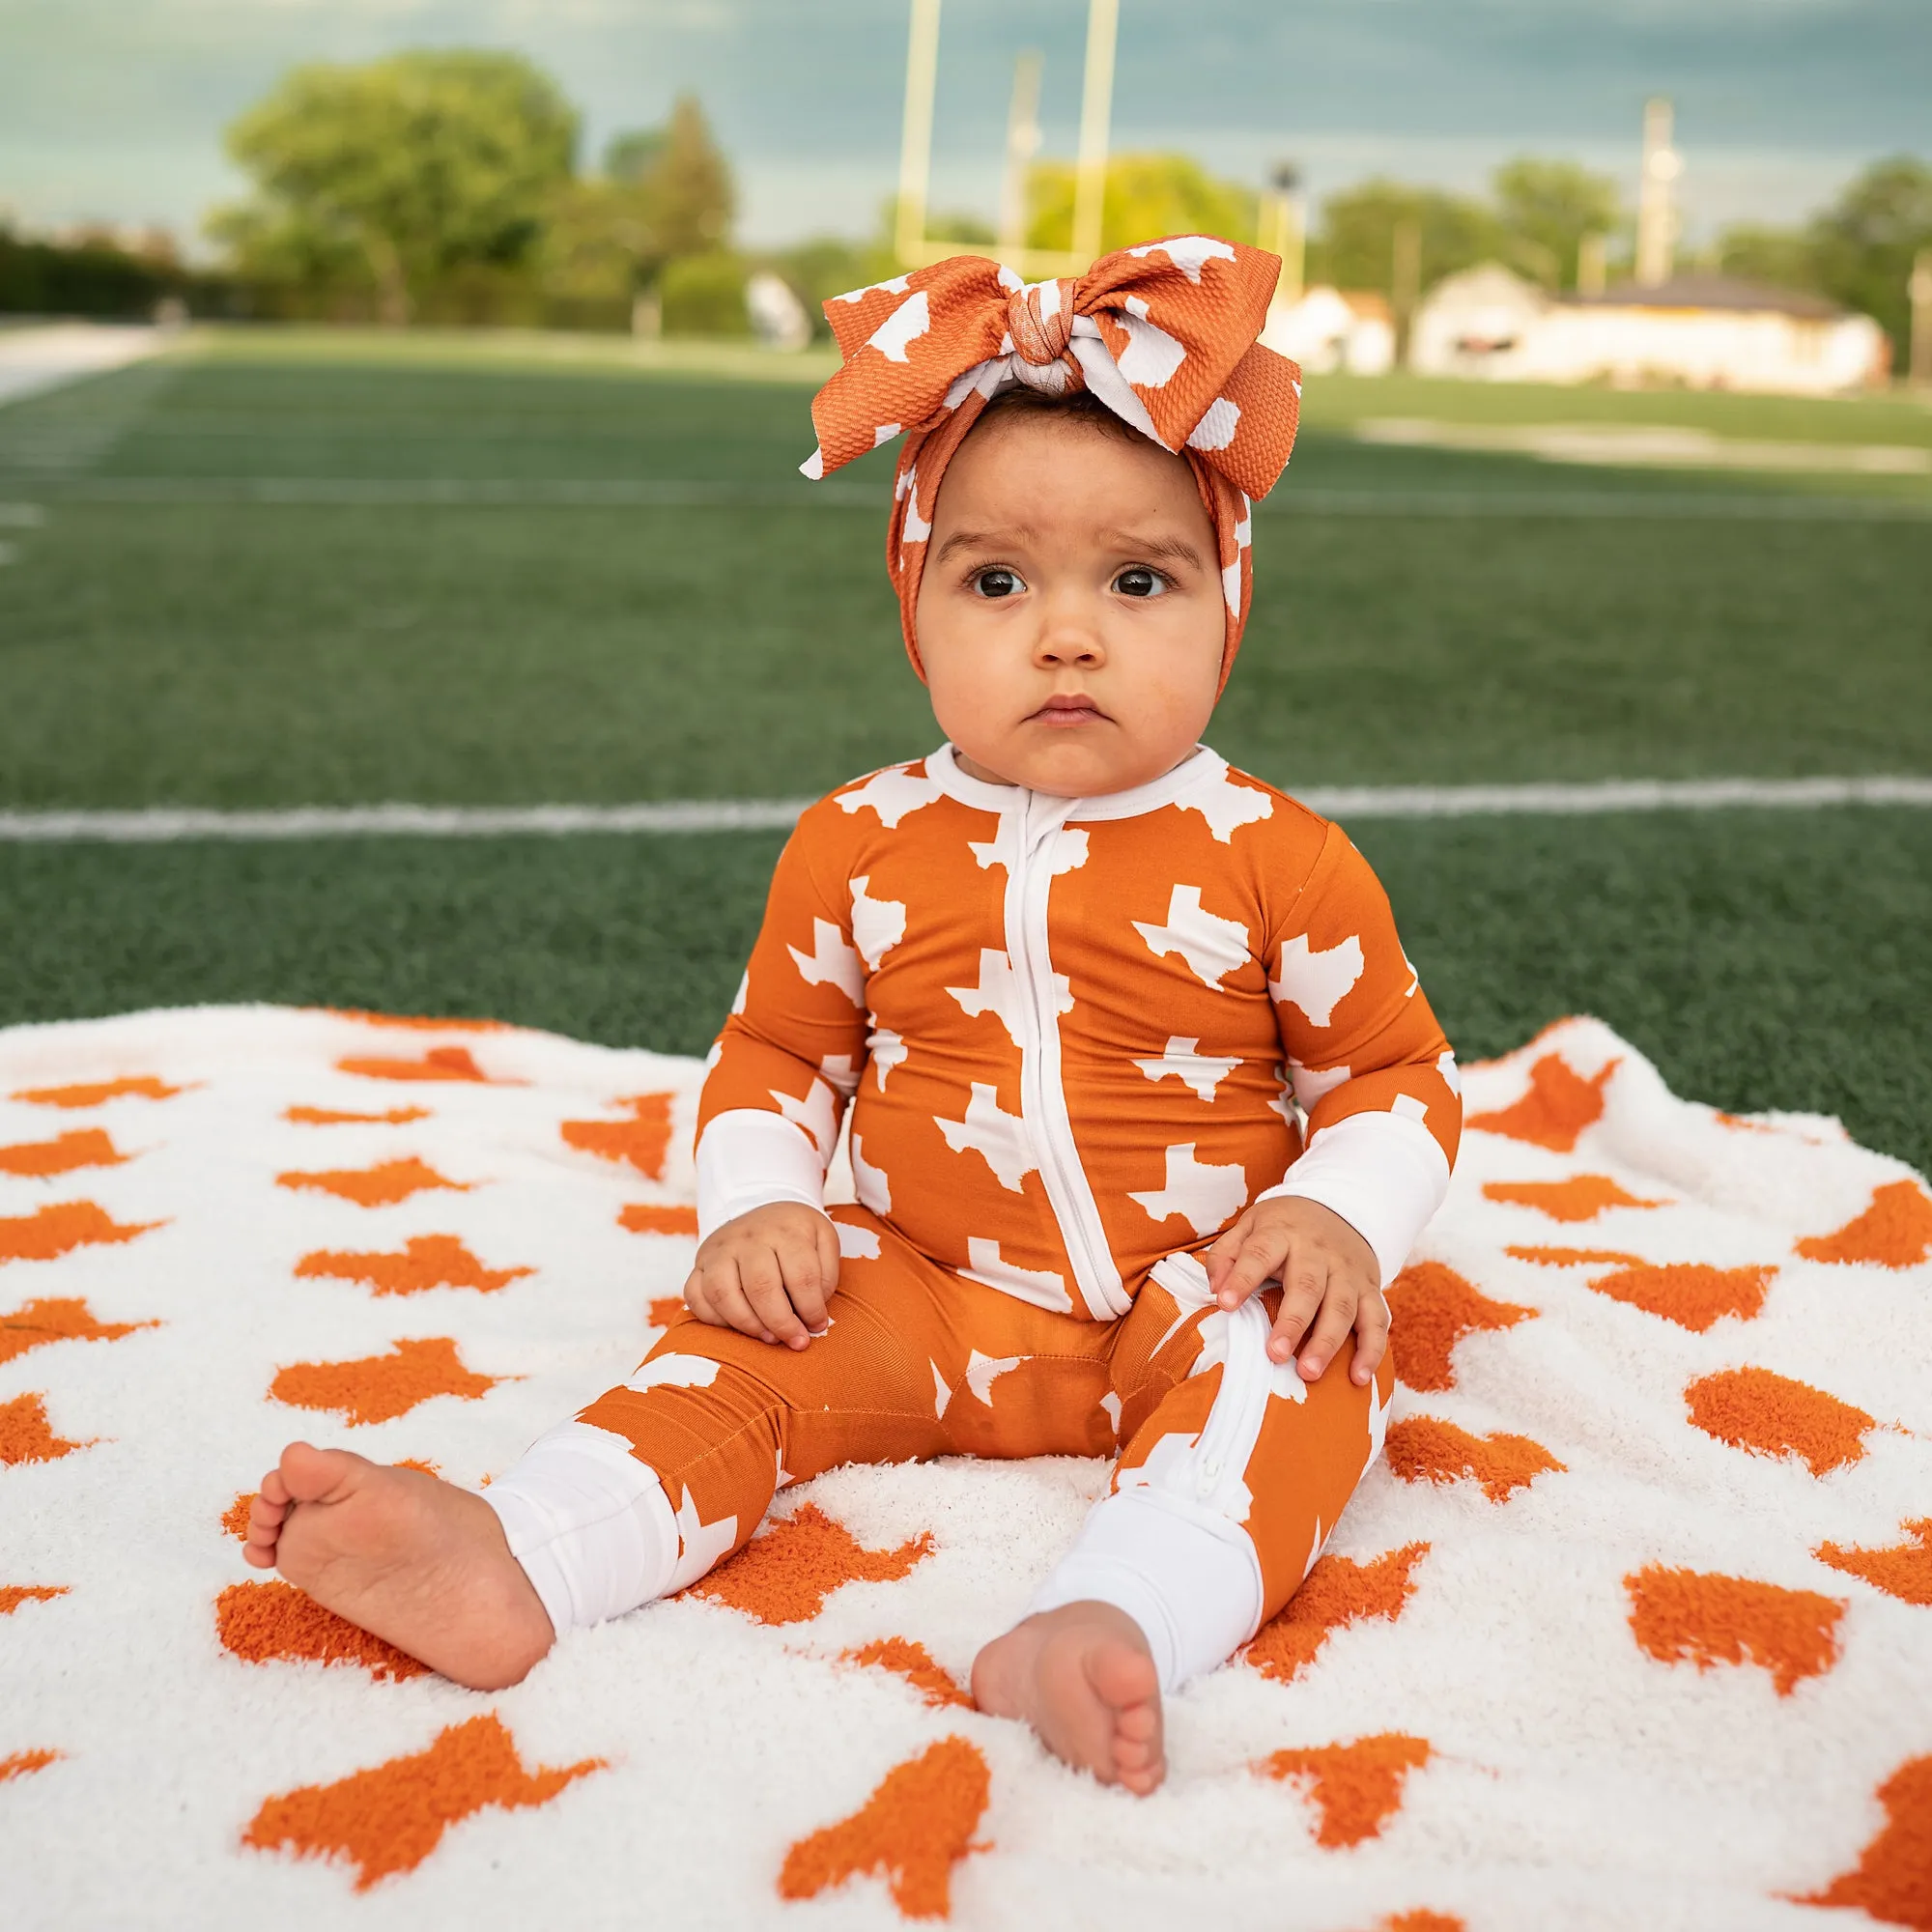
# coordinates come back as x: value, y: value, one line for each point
x: 763, y: 1282
x: 1258, y: 1259
x: 1331, y: 1328
x: 1304, y: 1283
x: 805, y: 1285
x: 698, y: 1299
x: 1372, y: 1332
x: 1220, y: 1257
x: 830, y: 1257
x: 729, y: 1308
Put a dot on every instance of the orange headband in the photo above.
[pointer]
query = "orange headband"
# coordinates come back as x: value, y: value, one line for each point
x: 1163, y: 335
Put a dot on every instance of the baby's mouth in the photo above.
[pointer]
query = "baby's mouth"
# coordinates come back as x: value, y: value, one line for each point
x: 1067, y: 709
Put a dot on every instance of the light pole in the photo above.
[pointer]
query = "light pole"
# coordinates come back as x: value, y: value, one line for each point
x: 1022, y: 145
x: 1918, y: 366
x: 1282, y: 230
x: 1656, y: 214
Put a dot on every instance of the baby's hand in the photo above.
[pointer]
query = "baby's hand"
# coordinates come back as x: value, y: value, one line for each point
x: 769, y: 1273
x: 1321, y: 1264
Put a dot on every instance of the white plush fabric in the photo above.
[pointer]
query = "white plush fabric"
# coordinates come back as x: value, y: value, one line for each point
x: 1573, y: 1778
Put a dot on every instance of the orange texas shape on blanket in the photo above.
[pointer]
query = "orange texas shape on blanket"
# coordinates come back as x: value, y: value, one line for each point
x: 426, y: 1262
x: 1581, y: 1198
x: 1684, y: 1616
x: 391, y: 1818
x: 643, y: 1217
x: 1337, y: 1593
x: 784, y: 1574
x: 21, y: 1764
x: 26, y: 1436
x: 1688, y: 1292
x: 1904, y: 1571
x: 1557, y: 1107
x: 1432, y: 1308
x: 382, y: 1186
x: 1357, y: 1786
x: 1423, y: 1449
x: 378, y: 1388
x: 914, y: 1664
x: 1892, y: 1880
x: 414, y: 1022
x: 337, y: 1117
x: 439, y: 1062
x: 14, y: 1594
x: 61, y: 1318
x: 1771, y: 1415
x: 913, y: 1829
x: 96, y: 1093
x: 59, y: 1228
x: 1894, y: 1232
x: 65, y: 1153
x: 263, y: 1623
x: 641, y: 1141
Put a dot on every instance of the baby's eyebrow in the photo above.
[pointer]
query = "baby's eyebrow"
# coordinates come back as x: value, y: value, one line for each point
x: 997, y: 539
x: 1157, y: 549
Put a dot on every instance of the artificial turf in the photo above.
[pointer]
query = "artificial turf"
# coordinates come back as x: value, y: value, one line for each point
x: 203, y: 648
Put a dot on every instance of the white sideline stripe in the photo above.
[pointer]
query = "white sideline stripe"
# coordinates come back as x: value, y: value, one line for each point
x: 34, y: 360
x: 618, y: 493
x: 163, y: 825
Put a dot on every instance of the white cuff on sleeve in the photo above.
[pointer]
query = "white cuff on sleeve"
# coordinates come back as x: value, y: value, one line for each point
x: 749, y: 1158
x: 1384, y: 1174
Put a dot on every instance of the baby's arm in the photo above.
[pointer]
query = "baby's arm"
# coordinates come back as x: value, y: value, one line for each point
x: 1378, y: 1080
x: 784, y: 1067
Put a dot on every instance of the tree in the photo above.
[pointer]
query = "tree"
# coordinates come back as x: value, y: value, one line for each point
x: 689, y: 182
x: 1145, y: 196
x: 1858, y: 252
x: 1862, y: 248
x: 408, y: 167
x: 1356, y: 246
x: 1546, y: 208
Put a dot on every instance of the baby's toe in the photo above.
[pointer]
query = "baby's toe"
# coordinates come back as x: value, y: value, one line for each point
x: 273, y: 1490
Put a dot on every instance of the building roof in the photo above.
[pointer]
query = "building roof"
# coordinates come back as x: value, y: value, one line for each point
x: 1722, y: 291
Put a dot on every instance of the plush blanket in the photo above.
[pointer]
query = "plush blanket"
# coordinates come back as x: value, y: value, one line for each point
x: 1633, y: 1626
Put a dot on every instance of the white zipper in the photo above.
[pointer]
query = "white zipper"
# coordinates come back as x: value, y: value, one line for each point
x: 1043, y: 1090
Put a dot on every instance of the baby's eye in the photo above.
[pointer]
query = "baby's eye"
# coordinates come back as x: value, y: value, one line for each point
x: 998, y: 581
x: 1141, y: 581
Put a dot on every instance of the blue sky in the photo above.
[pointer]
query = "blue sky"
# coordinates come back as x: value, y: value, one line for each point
x: 114, y: 109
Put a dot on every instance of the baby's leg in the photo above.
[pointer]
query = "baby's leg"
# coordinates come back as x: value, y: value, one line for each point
x: 653, y: 1483
x: 1234, y: 1474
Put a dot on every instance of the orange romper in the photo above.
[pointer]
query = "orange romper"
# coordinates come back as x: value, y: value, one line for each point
x: 1078, y: 1037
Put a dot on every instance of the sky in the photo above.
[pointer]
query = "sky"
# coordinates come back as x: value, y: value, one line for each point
x: 113, y: 109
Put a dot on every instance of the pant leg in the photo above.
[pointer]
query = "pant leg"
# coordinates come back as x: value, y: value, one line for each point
x: 1235, y: 1471
x: 665, y: 1476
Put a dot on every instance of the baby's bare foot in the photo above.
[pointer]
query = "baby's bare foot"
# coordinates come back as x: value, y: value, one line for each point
x: 417, y: 1561
x: 1082, y: 1678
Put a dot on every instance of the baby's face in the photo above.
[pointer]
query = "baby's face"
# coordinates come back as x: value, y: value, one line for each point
x: 1070, y: 617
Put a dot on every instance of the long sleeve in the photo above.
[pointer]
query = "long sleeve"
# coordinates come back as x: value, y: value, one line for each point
x: 791, y: 1051
x: 1368, y: 1063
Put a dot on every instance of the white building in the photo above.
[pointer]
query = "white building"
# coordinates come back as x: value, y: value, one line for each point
x: 1707, y: 331
x: 1327, y: 330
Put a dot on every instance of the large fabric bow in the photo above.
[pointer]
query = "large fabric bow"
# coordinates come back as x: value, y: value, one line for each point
x: 1163, y: 335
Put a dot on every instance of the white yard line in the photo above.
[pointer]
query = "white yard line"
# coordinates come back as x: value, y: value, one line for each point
x: 163, y: 825
x: 34, y: 360
x: 514, y: 493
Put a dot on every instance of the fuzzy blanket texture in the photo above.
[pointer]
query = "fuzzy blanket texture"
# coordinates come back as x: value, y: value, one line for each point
x: 1634, y: 1625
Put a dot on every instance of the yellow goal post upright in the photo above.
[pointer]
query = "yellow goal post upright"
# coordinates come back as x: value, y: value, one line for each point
x: 910, y: 241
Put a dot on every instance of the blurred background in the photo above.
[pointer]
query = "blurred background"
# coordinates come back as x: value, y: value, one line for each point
x: 401, y: 400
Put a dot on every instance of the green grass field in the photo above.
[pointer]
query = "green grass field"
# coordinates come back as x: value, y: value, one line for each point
x: 303, y: 569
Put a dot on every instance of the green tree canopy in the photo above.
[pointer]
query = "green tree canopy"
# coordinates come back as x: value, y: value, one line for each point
x: 1545, y: 208
x: 1147, y: 196
x: 1858, y: 252
x: 1356, y: 246
x: 412, y: 165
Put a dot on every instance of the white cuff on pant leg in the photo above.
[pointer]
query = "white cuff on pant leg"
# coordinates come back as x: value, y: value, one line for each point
x: 1188, y: 1576
x: 589, y: 1523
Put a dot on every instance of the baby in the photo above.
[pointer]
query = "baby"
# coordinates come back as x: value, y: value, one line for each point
x: 1146, y: 1101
